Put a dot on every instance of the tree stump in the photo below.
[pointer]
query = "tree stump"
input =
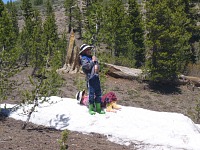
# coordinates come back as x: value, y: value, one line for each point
x: 72, y: 58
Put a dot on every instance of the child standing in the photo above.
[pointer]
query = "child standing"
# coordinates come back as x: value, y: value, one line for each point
x: 90, y: 67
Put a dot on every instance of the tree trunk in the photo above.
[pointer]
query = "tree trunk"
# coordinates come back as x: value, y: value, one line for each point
x: 72, y: 58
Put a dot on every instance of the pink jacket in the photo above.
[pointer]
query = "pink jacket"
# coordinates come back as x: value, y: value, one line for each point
x: 85, y: 101
x: 108, y: 98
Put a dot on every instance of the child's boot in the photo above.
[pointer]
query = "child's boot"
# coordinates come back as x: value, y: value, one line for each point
x: 91, y: 109
x: 98, y: 108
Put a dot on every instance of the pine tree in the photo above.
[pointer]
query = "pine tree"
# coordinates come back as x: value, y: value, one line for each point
x: 45, y: 58
x: 114, y: 26
x: 50, y: 34
x: 38, y: 55
x: 167, y: 39
x: 62, y: 44
x: 93, y: 25
x: 192, y: 11
x: 137, y: 51
x: 1, y: 7
x: 9, y: 53
x: 38, y: 2
x: 49, y: 8
x: 121, y: 29
x: 28, y: 14
x: 69, y: 4
x: 7, y: 32
x: 13, y: 11
x: 25, y: 42
x: 27, y: 32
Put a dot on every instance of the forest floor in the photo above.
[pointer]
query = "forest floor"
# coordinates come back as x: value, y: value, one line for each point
x: 129, y: 93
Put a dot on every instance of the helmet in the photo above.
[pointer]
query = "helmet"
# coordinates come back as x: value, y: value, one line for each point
x: 79, y: 95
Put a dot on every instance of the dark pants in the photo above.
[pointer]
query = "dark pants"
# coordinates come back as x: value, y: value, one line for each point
x: 94, y: 90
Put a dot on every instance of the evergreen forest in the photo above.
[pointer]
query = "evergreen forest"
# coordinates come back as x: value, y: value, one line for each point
x: 159, y: 37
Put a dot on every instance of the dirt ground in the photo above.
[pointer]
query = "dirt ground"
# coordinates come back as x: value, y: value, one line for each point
x: 129, y: 92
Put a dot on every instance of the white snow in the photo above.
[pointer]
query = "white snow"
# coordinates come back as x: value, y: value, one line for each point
x: 148, y: 129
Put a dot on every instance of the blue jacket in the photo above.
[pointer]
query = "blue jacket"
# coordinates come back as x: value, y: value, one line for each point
x: 88, y: 66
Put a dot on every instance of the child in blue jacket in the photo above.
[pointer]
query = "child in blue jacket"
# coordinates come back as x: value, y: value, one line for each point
x: 90, y: 67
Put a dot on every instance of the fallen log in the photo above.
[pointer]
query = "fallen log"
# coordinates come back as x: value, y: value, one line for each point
x: 195, y: 81
x: 132, y: 73
x: 123, y: 72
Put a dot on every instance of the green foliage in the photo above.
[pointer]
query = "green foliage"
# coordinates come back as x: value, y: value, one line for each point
x: 50, y: 35
x: 45, y: 85
x: 115, y: 27
x: 192, y: 11
x: 193, y: 69
x: 12, y: 9
x: 68, y: 4
x: 4, y: 88
x: 197, y: 108
x: 7, y: 31
x: 51, y: 84
x: 25, y: 44
x: 27, y: 32
x: 74, y: 17
x: 49, y: 7
x: 38, y: 2
x: 37, y: 52
x: 103, y: 72
x: 93, y: 25
x: 167, y: 39
x: 9, y: 52
x: 28, y: 14
x: 29, y: 96
x: 121, y: 60
x: 120, y: 29
x: 63, y: 140
x: 106, y: 58
x: 61, y: 47
x: 44, y: 65
x: 37, y: 47
x: 136, y: 50
x: 80, y: 83
x: 8, y: 67
x: 1, y: 7
x: 171, y: 34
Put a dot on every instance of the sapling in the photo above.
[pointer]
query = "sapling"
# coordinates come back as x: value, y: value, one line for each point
x: 63, y: 140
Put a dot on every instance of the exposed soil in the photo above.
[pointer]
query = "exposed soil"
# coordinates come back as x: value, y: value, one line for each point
x: 129, y: 92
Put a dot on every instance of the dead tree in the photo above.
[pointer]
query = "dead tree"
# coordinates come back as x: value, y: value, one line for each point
x: 72, y: 58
